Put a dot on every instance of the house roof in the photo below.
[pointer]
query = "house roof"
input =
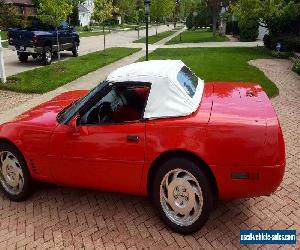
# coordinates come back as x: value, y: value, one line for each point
x: 20, y: 2
x: 170, y: 86
x: 81, y: 8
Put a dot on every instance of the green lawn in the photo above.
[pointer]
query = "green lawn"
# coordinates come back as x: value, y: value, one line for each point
x: 222, y: 64
x: 155, y: 38
x: 50, y: 77
x: 197, y: 36
x: 4, y: 37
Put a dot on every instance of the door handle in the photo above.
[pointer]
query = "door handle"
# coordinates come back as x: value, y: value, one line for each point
x: 133, y: 138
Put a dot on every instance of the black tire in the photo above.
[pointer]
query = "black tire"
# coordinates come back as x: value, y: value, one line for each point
x: 26, y: 189
x: 23, y: 57
x: 47, y: 55
x: 185, y: 167
x: 75, y: 49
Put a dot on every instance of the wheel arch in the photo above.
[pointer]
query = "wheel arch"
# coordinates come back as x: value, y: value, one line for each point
x: 5, y: 140
x: 183, y: 154
x: 48, y: 43
x: 76, y: 39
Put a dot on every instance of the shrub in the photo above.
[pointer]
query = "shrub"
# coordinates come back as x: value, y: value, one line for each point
x: 86, y: 28
x: 189, y: 22
x: 248, y: 30
x: 288, y: 43
x: 296, y: 67
x: 280, y: 54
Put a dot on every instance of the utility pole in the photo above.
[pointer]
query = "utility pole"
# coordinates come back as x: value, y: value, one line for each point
x: 2, y: 69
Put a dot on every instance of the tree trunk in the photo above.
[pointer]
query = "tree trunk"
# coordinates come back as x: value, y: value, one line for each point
x: 58, y: 47
x: 104, y: 41
x: 214, y: 20
x: 156, y: 27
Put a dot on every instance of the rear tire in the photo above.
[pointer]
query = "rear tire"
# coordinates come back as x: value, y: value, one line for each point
x: 75, y: 49
x: 47, y: 56
x: 182, y: 195
x: 15, y: 180
x: 23, y: 57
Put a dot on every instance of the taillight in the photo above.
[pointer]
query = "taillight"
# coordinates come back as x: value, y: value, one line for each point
x: 34, y: 39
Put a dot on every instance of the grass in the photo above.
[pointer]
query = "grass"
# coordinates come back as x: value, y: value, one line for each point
x: 50, y: 77
x: 4, y: 37
x: 155, y: 38
x: 198, y: 36
x: 222, y: 64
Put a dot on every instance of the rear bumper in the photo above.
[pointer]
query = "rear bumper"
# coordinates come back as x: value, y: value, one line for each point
x: 30, y: 50
x: 264, y: 180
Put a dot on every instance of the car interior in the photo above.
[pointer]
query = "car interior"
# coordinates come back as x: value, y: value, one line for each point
x: 120, y: 105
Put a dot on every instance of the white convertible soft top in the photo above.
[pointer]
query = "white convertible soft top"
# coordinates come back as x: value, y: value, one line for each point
x: 172, y: 93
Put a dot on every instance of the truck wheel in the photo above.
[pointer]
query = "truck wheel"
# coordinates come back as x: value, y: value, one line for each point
x: 47, y: 56
x: 15, y: 180
x: 23, y: 57
x: 75, y: 49
x: 182, y: 195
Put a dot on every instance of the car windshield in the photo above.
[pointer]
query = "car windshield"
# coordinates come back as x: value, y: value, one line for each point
x: 68, y: 112
x: 188, y: 81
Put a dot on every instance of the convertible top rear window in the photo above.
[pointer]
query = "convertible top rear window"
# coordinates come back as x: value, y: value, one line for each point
x: 188, y: 81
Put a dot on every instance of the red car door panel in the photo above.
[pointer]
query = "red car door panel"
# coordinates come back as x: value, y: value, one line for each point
x: 108, y: 157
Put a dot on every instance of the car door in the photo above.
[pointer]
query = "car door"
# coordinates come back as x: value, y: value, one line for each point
x: 65, y: 40
x: 108, y: 157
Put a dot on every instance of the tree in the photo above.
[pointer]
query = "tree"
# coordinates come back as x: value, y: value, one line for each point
x: 215, y: 8
x: 279, y: 15
x: 73, y: 17
x: 127, y: 9
x: 103, y: 10
x: 247, y: 13
x: 53, y: 12
x: 161, y: 9
x: 186, y: 8
x: 9, y: 16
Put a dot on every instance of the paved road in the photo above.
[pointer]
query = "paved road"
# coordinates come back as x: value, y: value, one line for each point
x: 88, y: 45
x: 56, y: 217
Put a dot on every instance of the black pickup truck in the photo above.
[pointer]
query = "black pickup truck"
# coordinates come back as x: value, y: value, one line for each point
x: 41, y: 41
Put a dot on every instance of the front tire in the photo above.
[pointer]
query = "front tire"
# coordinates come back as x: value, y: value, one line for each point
x: 182, y: 195
x: 75, y: 49
x: 23, y: 57
x: 15, y: 180
x: 47, y: 56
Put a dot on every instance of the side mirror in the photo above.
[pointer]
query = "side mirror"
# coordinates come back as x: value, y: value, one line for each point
x: 73, y: 124
x: 76, y: 128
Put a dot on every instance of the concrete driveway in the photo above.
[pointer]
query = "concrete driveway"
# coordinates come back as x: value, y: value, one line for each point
x: 88, y: 45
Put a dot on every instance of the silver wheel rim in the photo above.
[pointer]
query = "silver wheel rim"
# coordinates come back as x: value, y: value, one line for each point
x: 48, y: 56
x: 11, y: 174
x: 181, y: 197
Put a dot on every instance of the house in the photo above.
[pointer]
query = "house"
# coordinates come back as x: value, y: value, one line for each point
x: 25, y: 7
x: 85, y: 12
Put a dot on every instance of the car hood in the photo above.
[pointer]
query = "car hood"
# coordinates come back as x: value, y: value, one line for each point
x: 45, y: 114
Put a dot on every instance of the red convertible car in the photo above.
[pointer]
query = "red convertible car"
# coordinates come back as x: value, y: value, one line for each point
x: 151, y: 128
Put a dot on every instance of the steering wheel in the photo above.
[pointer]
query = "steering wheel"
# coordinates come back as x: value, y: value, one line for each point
x: 105, y: 112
